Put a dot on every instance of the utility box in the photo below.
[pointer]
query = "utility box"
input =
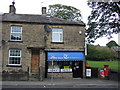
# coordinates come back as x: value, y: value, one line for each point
x: 88, y: 71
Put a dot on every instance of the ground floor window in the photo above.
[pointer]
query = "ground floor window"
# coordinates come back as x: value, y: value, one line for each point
x: 14, y: 57
x: 59, y: 66
x: 62, y: 63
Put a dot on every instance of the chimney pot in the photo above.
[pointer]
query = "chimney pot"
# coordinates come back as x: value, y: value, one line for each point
x: 12, y: 8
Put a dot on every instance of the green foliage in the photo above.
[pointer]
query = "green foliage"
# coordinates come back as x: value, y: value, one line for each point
x: 98, y: 53
x: 111, y: 44
x: 65, y: 12
x: 104, y: 20
x: 91, y: 52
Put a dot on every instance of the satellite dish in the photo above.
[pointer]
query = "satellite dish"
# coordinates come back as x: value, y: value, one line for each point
x: 47, y: 28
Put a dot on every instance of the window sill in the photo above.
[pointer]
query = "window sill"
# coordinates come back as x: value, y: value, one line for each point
x: 14, y: 65
x: 57, y: 42
x: 15, y: 41
x: 59, y: 72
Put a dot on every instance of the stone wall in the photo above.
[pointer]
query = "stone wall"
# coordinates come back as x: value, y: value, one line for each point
x: 72, y: 39
x: 60, y: 75
x: 33, y: 36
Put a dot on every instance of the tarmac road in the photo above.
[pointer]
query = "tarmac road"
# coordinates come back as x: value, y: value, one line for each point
x: 61, y: 84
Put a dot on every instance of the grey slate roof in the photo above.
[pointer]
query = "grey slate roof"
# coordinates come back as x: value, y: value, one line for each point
x: 41, y: 19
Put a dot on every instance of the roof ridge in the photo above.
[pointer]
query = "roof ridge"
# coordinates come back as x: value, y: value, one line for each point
x: 37, y: 18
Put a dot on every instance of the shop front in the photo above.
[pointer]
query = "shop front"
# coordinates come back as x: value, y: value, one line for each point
x: 64, y: 64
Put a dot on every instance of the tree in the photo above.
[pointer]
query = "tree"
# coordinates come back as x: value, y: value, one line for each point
x: 100, y: 53
x: 65, y: 12
x: 104, y: 20
x: 111, y: 44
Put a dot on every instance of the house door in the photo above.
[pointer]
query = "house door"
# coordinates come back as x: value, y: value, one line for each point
x: 35, y: 61
x: 77, y: 69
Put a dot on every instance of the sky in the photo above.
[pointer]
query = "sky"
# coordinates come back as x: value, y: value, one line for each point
x: 34, y: 7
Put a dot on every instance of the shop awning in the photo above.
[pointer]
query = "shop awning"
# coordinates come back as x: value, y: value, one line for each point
x: 66, y: 56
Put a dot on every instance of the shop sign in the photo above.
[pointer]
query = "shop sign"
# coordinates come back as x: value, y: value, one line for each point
x: 65, y: 56
x: 88, y: 72
x: 53, y: 70
x: 66, y: 70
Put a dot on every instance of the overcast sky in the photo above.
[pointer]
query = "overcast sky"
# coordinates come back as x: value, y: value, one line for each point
x: 34, y: 7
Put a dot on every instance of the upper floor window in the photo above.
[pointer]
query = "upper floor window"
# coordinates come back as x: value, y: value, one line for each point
x: 57, y: 35
x: 14, y: 57
x: 16, y: 33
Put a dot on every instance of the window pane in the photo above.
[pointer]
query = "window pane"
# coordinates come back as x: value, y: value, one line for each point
x: 16, y: 33
x: 15, y: 57
x: 15, y: 36
x: 14, y: 52
x: 60, y: 66
x: 14, y: 60
x: 57, y: 30
x: 16, y: 29
x: 57, y: 35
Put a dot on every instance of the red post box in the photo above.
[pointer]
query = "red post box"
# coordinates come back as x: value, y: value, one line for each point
x: 106, y: 71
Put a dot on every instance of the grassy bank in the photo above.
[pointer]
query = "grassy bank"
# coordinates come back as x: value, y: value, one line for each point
x: 100, y: 64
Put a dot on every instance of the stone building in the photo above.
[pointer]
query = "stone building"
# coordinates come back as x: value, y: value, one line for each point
x: 44, y: 44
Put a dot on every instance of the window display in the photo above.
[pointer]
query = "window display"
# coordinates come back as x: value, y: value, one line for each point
x: 60, y: 66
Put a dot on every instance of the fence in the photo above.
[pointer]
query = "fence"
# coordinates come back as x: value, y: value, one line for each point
x: 113, y: 74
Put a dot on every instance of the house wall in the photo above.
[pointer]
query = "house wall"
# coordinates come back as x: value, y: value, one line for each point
x: 72, y: 40
x: 33, y: 36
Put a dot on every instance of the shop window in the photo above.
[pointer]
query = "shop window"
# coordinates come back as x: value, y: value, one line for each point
x: 16, y: 33
x: 57, y: 35
x: 14, y: 57
x: 59, y: 66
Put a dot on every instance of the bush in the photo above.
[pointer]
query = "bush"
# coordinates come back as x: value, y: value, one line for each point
x: 100, y: 53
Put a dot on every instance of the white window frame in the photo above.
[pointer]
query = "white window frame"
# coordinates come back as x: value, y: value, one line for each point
x: 14, y: 56
x: 12, y: 32
x: 59, y: 33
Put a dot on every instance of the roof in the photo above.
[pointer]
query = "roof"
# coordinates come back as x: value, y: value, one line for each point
x: 41, y: 19
x: 116, y: 48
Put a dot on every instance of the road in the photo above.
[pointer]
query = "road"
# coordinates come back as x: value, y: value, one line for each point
x: 61, y: 84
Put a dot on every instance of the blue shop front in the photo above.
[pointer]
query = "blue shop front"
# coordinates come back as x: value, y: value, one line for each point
x: 65, y: 64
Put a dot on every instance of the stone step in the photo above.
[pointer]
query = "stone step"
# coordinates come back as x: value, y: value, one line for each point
x: 34, y: 77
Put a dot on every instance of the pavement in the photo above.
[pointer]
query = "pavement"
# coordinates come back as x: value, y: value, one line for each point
x: 61, y: 82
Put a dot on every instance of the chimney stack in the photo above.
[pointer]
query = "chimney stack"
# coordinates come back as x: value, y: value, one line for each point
x: 12, y: 8
x: 43, y: 10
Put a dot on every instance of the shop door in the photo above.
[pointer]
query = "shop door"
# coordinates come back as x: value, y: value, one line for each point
x: 35, y: 61
x: 78, y: 69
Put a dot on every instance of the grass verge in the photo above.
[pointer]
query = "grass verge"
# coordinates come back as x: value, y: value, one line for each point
x: 100, y: 64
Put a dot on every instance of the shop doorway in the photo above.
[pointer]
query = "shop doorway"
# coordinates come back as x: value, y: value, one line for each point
x: 35, y: 61
x: 78, y: 69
